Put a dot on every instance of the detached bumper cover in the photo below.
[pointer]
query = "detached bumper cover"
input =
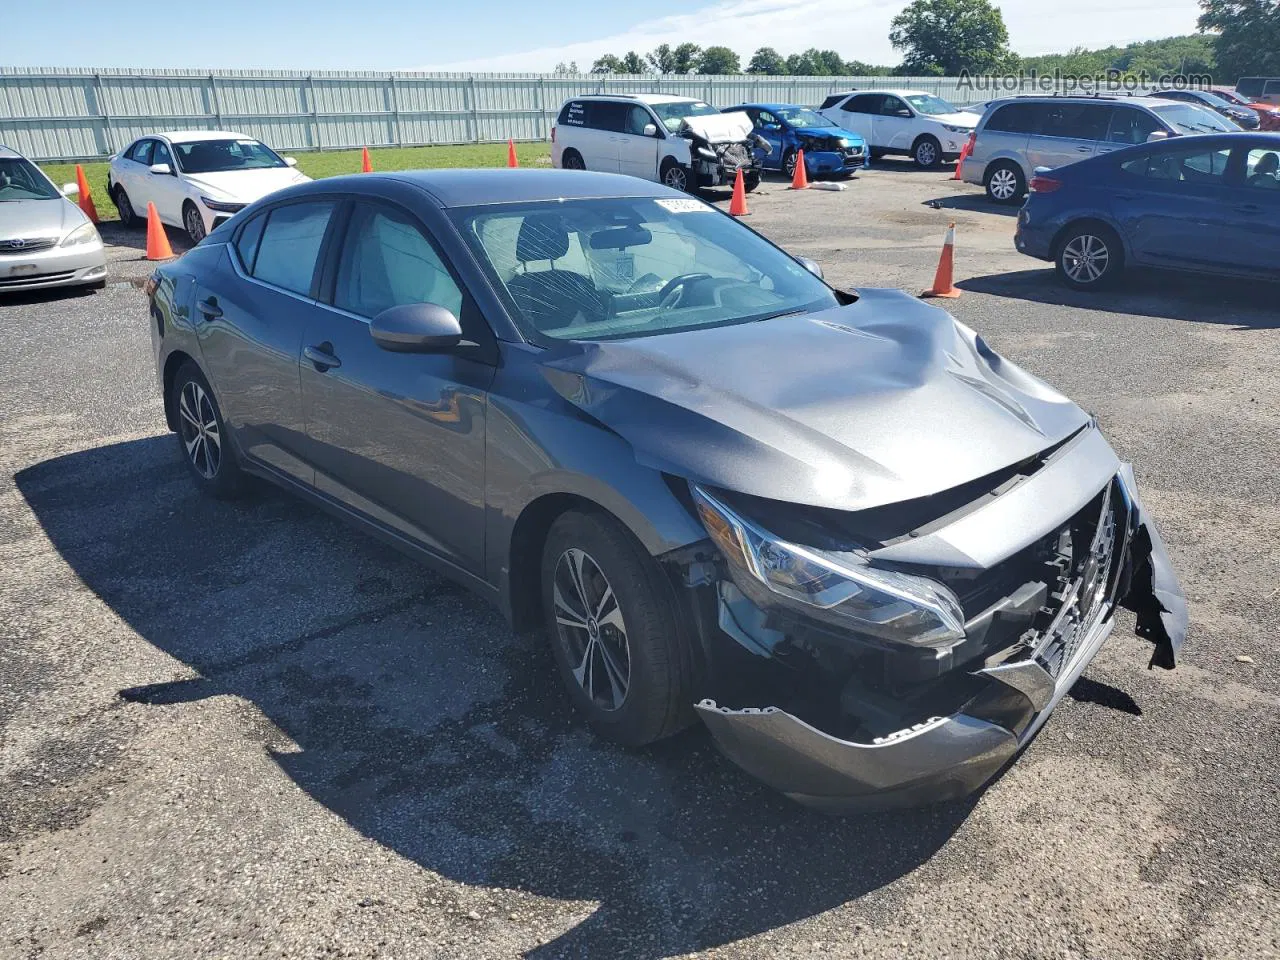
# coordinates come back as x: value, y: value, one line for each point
x: 942, y: 758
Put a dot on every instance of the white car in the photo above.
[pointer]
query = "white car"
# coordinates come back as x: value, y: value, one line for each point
x: 196, y: 178
x: 909, y: 123
x: 683, y: 143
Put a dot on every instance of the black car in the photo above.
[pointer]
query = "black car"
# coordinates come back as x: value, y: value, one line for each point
x: 1247, y: 119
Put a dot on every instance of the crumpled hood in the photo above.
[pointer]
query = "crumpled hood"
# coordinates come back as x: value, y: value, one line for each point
x: 884, y: 400
x: 32, y: 219
x: 246, y: 186
x: 824, y: 132
x: 720, y: 127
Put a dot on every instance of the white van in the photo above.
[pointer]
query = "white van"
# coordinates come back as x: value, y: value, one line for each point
x: 910, y: 123
x: 683, y: 143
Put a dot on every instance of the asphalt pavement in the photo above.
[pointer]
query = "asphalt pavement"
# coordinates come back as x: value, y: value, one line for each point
x: 246, y: 730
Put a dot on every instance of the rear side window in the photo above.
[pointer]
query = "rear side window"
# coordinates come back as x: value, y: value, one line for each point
x: 573, y: 113
x: 1250, y: 86
x: 606, y: 115
x: 864, y: 103
x: 141, y: 152
x: 1015, y: 118
x: 1131, y: 125
x: 832, y: 100
x: 1076, y: 121
x: 1272, y: 88
x: 290, y: 243
x: 246, y: 243
x: 1193, y: 165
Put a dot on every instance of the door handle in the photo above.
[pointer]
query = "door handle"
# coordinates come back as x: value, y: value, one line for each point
x: 210, y: 308
x: 322, y: 356
x: 1084, y: 149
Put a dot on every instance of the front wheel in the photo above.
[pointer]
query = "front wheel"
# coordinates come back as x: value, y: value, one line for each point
x: 203, y: 437
x: 194, y: 222
x: 675, y: 176
x: 613, y: 630
x: 789, y: 164
x: 750, y: 181
x: 1090, y: 257
x: 927, y: 153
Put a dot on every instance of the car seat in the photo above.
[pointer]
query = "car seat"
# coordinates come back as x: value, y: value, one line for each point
x: 1267, y: 172
x: 551, y: 298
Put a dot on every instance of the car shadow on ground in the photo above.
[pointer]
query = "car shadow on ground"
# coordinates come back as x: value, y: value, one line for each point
x: 408, y: 708
x: 1244, y: 305
x: 973, y: 203
x: 115, y: 234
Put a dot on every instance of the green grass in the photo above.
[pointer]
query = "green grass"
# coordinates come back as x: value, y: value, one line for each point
x: 338, y: 162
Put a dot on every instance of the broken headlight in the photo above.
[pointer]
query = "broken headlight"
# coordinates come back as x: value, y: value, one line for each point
x: 840, y: 589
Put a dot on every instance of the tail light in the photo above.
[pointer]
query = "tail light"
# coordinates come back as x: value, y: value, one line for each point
x: 1044, y: 184
x: 973, y: 141
x: 553, y: 134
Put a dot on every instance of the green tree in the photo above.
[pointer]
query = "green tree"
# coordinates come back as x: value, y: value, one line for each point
x: 686, y: 58
x: 767, y: 60
x: 570, y: 67
x: 716, y: 60
x: 662, y: 58
x: 607, y: 64
x: 949, y: 36
x: 833, y: 62
x: 1246, y: 38
x: 633, y: 63
x: 808, y: 64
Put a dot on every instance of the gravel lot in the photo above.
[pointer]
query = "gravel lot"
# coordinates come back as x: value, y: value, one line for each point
x: 246, y: 730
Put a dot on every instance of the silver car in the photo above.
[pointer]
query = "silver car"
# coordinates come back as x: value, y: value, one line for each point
x: 45, y: 239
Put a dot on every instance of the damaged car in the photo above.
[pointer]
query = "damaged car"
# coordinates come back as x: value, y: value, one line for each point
x: 836, y: 527
x: 683, y: 143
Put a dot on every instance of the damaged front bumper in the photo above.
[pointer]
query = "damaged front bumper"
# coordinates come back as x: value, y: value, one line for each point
x: 937, y: 758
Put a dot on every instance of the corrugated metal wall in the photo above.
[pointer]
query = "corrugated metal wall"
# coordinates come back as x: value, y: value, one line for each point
x: 71, y: 114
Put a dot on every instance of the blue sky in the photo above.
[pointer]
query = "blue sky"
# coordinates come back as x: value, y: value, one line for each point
x: 513, y: 34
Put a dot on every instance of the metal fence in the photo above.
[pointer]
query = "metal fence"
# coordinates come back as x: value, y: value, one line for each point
x: 73, y: 114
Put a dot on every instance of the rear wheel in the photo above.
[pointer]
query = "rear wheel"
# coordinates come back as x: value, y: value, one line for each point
x: 127, y: 217
x: 572, y: 160
x: 1005, y: 183
x: 1090, y: 257
x: 613, y: 630
x: 203, y: 436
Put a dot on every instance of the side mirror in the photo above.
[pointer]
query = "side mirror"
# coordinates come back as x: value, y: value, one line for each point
x: 904, y: 112
x: 811, y: 266
x: 161, y: 169
x: 290, y: 162
x: 1155, y: 136
x: 650, y: 130
x: 70, y: 189
x: 416, y: 328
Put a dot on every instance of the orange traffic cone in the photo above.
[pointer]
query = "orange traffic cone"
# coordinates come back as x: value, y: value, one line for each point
x: 365, y: 165
x: 86, y: 198
x: 511, y: 153
x: 157, y: 240
x: 944, y: 279
x: 964, y: 155
x: 800, y: 179
x: 738, y: 205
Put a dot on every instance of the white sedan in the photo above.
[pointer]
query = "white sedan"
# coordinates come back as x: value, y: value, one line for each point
x: 196, y: 178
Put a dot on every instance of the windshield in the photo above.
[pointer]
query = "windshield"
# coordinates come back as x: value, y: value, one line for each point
x: 20, y: 180
x: 1191, y: 119
x: 671, y: 114
x: 800, y: 117
x: 220, y: 156
x: 1212, y: 99
x: 614, y: 268
x: 929, y: 105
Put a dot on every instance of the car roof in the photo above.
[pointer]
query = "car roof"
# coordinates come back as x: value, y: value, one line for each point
x: 638, y: 97
x: 192, y: 136
x: 465, y: 188
x: 768, y: 106
x: 10, y: 154
x: 1082, y: 98
x: 897, y: 92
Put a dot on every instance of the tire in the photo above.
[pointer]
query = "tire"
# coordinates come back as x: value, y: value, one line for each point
x: 572, y: 160
x: 1089, y: 256
x: 676, y: 176
x: 624, y: 663
x: 750, y: 181
x: 207, y: 452
x: 926, y: 152
x: 194, y: 223
x: 128, y: 216
x: 1005, y: 183
x: 789, y: 164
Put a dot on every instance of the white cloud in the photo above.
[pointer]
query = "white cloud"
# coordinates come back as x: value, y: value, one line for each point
x: 857, y: 29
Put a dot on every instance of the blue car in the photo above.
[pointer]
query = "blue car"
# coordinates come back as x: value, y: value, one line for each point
x: 828, y: 149
x: 1209, y: 204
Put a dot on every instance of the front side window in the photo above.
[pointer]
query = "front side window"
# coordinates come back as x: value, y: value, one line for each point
x: 637, y: 119
x: 387, y: 262
x: 673, y: 114
x: 222, y: 156
x: 286, y: 254
x: 614, y: 268
x: 1131, y: 125
x: 20, y: 180
x: 890, y: 106
x: 160, y: 154
x: 929, y: 105
x: 1262, y: 169
x: 1250, y: 86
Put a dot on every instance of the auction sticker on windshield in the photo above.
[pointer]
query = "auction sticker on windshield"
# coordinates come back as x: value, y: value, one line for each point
x: 684, y: 205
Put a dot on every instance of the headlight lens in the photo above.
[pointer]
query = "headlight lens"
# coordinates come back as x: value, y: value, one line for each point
x: 841, y: 589
x: 955, y: 129
x: 221, y: 206
x: 85, y: 233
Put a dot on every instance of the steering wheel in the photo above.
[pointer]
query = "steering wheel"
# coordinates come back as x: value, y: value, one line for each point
x: 673, y: 290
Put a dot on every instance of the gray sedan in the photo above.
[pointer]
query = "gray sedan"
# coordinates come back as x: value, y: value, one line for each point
x: 45, y: 239
x: 869, y: 553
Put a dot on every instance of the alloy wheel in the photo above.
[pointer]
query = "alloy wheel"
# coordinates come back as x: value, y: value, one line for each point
x: 1004, y: 184
x: 926, y: 153
x: 199, y: 430
x: 195, y: 224
x: 1085, y: 258
x: 789, y: 165
x: 675, y: 178
x: 592, y: 630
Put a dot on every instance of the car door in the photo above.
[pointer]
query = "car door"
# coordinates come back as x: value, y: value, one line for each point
x: 133, y: 174
x: 638, y: 151
x: 858, y: 115
x: 772, y: 129
x: 250, y: 315
x: 601, y: 134
x: 1176, y: 205
x: 1128, y: 126
x: 165, y: 190
x: 1069, y: 131
x: 1256, y: 212
x: 398, y: 437
x: 895, y: 125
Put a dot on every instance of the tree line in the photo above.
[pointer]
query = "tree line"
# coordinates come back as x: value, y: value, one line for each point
x: 947, y: 37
